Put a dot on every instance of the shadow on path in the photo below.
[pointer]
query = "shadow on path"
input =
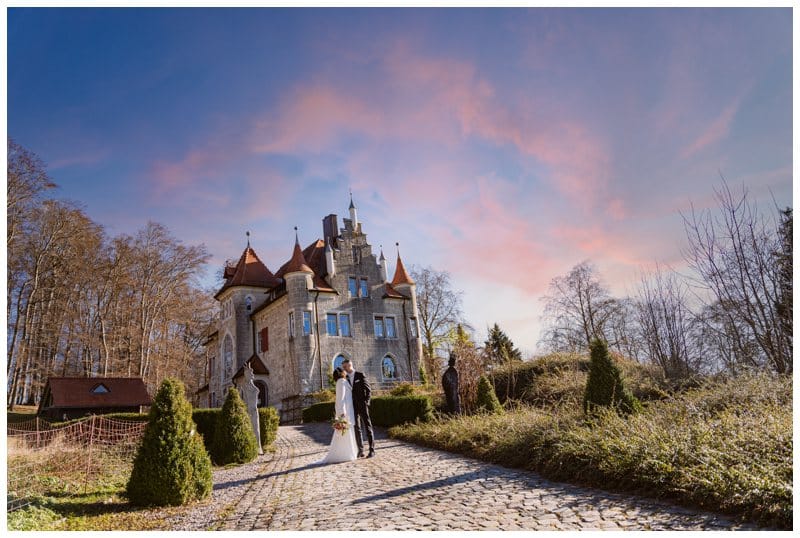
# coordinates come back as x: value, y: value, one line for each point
x: 442, y: 482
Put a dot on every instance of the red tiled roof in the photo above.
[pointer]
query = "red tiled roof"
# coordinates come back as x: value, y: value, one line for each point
x: 78, y: 392
x: 393, y: 293
x: 400, y: 274
x: 298, y: 262
x: 249, y: 271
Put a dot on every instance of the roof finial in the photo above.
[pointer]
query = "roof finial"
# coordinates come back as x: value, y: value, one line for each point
x: 247, y: 233
x: 296, y: 239
x: 352, y: 205
x: 398, y: 249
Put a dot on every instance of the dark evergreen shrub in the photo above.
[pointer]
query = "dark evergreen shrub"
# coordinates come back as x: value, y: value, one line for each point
x: 171, y: 466
x: 487, y: 401
x: 268, y: 420
x: 384, y: 410
x: 393, y: 410
x: 234, y: 439
x: 604, y: 387
x: 319, y: 412
x: 206, y: 420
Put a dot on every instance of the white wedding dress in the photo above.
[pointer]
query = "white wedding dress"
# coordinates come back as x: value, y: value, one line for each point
x: 343, y: 446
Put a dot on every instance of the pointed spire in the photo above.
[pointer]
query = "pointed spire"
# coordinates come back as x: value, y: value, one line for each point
x: 382, y: 256
x: 248, y: 238
x: 400, y: 274
x: 298, y: 262
x: 352, y: 205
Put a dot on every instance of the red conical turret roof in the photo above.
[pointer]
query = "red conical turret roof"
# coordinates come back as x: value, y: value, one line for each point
x: 400, y: 274
x: 298, y: 262
x: 249, y: 271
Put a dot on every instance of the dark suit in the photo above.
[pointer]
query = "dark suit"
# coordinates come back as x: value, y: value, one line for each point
x: 361, y: 396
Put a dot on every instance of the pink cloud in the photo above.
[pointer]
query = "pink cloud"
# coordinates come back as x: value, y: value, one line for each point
x: 716, y: 130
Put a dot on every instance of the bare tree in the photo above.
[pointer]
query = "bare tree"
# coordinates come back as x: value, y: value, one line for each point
x: 578, y: 308
x: 735, y: 254
x: 439, y: 311
x: 666, y: 323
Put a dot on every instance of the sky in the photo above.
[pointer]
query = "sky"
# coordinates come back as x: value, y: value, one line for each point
x: 504, y: 146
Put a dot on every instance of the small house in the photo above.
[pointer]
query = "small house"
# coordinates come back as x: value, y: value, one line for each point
x: 66, y: 398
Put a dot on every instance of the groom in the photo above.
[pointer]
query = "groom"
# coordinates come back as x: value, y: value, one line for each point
x: 361, y: 394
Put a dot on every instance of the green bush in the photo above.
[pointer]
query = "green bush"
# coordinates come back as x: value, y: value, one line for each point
x: 327, y: 395
x: 487, y: 401
x: 604, y: 387
x: 392, y: 410
x: 423, y: 375
x: 234, y: 439
x: 268, y: 420
x: 319, y: 412
x: 206, y: 420
x: 383, y: 410
x: 171, y: 466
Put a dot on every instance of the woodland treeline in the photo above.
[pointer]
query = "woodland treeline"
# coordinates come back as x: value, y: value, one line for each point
x: 730, y: 312
x: 82, y: 303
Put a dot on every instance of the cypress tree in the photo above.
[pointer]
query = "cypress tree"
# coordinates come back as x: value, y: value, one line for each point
x: 235, y: 439
x: 604, y: 387
x: 171, y: 466
x: 487, y: 401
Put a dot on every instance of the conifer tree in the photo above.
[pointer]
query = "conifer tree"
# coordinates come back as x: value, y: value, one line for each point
x: 235, y: 439
x: 487, y: 401
x: 171, y: 466
x: 604, y: 387
x: 499, y: 347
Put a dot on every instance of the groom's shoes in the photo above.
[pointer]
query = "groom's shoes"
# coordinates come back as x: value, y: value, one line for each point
x: 371, y: 453
x: 360, y: 454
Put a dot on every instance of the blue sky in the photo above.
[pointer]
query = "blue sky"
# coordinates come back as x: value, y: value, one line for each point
x: 501, y: 145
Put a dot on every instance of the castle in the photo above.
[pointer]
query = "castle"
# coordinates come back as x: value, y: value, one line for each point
x: 331, y: 300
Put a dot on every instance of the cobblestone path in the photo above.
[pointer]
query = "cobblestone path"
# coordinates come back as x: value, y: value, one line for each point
x: 407, y: 487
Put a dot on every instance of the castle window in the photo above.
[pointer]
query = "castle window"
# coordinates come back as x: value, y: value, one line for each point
x: 364, y: 288
x: 211, y: 366
x: 332, y: 325
x: 227, y: 353
x: 390, y: 329
x: 352, y: 286
x: 263, y: 340
x: 344, y: 324
x: 388, y: 368
x: 100, y: 389
x: 291, y: 324
x: 356, y: 255
x: 248, y: 302
x: 338, y: 360
x: 306, y: 323
x: 385, y: 327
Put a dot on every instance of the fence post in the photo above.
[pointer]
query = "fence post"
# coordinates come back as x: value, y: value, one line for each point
x: 89, y: 460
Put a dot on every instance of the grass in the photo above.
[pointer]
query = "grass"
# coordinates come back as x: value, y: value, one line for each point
x: 725, y: 446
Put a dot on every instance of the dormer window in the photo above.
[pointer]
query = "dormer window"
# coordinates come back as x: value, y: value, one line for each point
x: 100, y: 389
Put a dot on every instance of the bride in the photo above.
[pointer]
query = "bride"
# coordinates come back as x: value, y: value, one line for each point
x: 343, y: 446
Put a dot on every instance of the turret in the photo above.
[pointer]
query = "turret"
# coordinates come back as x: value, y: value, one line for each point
x: 329, y: 262
x: 298, y: 266
x: 383, y: 266
x: 353, y: 213
x: 403, y: 282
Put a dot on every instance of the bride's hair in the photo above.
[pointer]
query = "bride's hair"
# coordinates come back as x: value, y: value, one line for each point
x: 338, y: 373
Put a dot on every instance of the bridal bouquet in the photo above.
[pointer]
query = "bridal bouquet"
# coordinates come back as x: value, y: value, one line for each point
x: 341, y: 424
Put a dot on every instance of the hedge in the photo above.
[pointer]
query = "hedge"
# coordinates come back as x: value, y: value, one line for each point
x: 206, y: 421
x: 268, y: 420
x: 384, y: 410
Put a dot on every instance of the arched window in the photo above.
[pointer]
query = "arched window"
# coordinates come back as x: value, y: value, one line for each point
x: 248, y: 302
x: 337, y: 361
x: 227, y: 353
x: 388, y: 368
x: 263, y: 394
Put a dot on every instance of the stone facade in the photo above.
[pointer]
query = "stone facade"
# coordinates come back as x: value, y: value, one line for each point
x: 330, y: 301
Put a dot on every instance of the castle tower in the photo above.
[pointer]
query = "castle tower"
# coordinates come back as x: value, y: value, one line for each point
x: 353, y: 214
x: 298, y: 268
x: 384, y: 268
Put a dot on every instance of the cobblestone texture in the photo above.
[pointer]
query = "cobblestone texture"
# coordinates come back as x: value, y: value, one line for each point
x: 407, y: 487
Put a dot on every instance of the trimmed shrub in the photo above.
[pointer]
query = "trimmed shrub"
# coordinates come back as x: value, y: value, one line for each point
x: 268, y: 420
x: 206, y: 420
x: 392, y: 410
x: 383, y: 410
x: 487, y: 401
x: 234, y: 440
x: 171, y: 466
x: 319, y: 412
x: 604, y: 387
